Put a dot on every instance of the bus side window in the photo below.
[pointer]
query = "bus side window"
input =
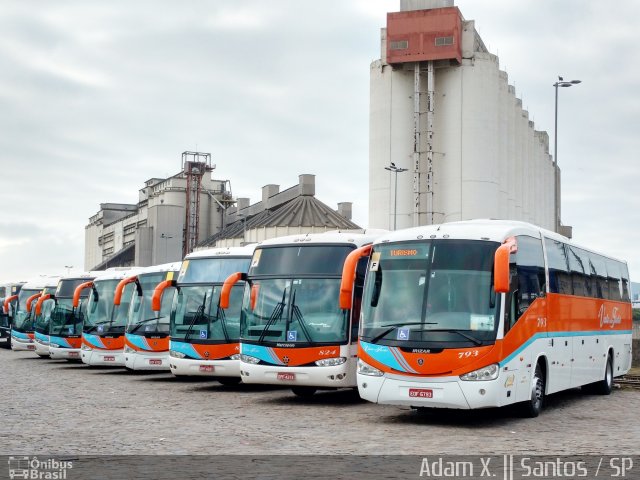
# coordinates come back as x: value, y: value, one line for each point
x: 626, y: 296
x: 361, y: 270
x: 559, y: 279
x: 579, y: 274
x: 599, y: 271
x: 530, y: 272
x: 614, y: 280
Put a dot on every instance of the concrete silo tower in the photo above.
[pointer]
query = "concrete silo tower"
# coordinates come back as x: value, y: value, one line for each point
x: 442, y: 109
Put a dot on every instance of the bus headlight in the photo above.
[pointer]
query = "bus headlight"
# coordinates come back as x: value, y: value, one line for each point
x: 486, y: 373
x: 366, y: 369
x: 54, y: 345
x: 128, y: 349
x: 331, y: 362
x: 235, y: 356
x: 249, y: 359
x: 176, y: 354
x: 86, y: 348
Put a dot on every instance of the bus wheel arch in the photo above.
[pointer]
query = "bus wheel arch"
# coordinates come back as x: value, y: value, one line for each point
x: 531, y: 408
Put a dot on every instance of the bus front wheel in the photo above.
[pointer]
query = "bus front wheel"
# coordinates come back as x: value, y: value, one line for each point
x: 532, y: 407
x: 303, y: 392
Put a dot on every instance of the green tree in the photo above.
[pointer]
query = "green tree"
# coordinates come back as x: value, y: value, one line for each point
x: 636, y: 314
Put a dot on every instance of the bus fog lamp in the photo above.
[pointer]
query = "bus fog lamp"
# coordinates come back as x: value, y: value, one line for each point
x: 249, y: 359
x: 331, y: 362
x: 176, y: 354
x: 235, y: 356
x: 366, y: 369
x: 482, y: 374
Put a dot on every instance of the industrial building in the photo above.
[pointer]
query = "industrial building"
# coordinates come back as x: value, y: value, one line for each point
x: 449, y: 139
x: 292, y: 211
x: 171, y: 215
x: 163, y: 226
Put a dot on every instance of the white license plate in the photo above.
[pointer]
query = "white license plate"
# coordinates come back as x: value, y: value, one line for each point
x: 420, y: 393
x: 286, y: 376
x: 109, y: 358
x: 155, y: 361
x: 206, y: 368
x: 31, y: 347
x: 74, y: 355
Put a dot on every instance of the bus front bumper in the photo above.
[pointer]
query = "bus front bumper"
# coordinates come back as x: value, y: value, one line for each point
x: 22, y: 344
x: 204, y: 368
x: 158, y: 361
x: 103, y: 358
x: 340, y: 376
x: 42, y: 349
x: 443, y: 392
x: 61, y: 353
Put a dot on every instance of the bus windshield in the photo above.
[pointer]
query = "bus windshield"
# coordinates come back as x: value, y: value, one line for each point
x: 102, y: 314
x: 42, y: 320
x: 211, y: 270
x: 141, y: 319
x: 298, y: 310
x: 66, y: 320
x: 301, y: 304
x: 23, y: 320
x: 431, y: 294
x: 196, y: 317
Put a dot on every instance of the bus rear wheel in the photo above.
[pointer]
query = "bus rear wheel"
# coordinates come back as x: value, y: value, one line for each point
x: 604, y: 386
x: 304, y: 392
x: 532, y: 407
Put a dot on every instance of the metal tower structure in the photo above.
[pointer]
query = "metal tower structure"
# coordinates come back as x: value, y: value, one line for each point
x: 194, y: 166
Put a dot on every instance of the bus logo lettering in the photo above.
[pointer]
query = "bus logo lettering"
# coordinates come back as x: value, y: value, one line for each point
x: 404, y: 253
x: 612, y: 320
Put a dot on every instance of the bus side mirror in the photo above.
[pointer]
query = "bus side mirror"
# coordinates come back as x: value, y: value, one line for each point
x: 255, y: 289
x: 228, y: 285
x: 349, y: 275
x: 501, y: 278
x: 156, y: 299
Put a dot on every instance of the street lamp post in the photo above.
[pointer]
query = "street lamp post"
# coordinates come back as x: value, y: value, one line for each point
x: 565, y: 84
x: 396, y: 170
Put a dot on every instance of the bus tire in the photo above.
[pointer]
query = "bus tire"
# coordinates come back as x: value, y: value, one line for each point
x: 532, y: 407
x: 304, y: 392
x: 604, y: 386
x: 229, y: 381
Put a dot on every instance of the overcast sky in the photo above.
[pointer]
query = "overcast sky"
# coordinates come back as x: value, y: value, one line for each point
x: 96, y: 97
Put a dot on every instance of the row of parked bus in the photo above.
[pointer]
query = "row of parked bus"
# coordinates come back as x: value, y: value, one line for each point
x: 462, y: 315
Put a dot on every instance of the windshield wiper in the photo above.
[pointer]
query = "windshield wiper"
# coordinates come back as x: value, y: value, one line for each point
x: 396, y: 325
x: 223, y: 323
x: 275, y: 315
x: 199, y: 314
x: 92, y: 327
x: 452, y: 330
x: 142, y: 322
x: 295, y: 312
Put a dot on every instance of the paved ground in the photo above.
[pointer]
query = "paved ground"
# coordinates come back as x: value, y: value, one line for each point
x: 55, y: 407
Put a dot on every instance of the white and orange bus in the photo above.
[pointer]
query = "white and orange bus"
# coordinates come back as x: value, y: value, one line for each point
x: 22, y: 326
x: 146, y: 340
x: 204, y: 338
x: 292, y: 329
x: 65, y: 324
x: 106, y: 319
x: 487, y: 313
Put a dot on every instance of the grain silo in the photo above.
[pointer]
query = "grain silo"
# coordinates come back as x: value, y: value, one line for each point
x: 448, y: 129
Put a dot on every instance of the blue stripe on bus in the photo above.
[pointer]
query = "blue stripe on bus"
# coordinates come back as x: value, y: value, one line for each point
x: 185, y: 348
x: 552, y: 335
x: 382, y: 354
